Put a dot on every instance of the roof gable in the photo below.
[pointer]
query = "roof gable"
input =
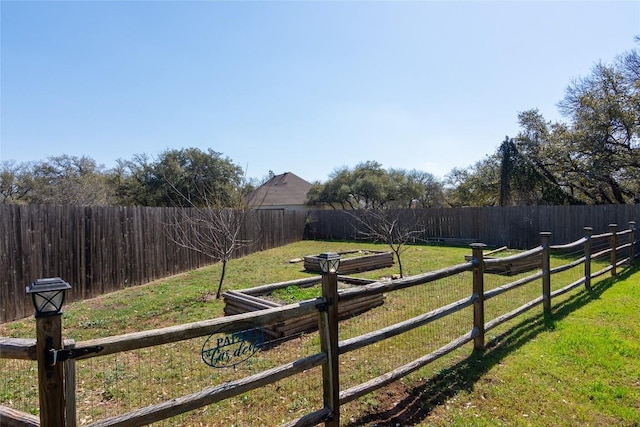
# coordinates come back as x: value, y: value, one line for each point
x: 286, y: 189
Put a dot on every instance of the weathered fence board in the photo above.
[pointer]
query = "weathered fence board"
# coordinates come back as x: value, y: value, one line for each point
x: 160, y: 411
x: 102, y: 249
x: 516, y: 227
x: 11, y: 418
x: 137, y: 340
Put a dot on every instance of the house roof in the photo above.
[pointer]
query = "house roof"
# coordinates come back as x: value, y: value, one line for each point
x: 286, y: 189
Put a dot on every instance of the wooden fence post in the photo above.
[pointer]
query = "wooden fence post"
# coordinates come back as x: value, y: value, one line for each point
x: 632, y: 241
x: 70, y: 386
x: 613, y: 243
x: 478, y: 294
x: 329, y: 345
x: 545, y: 236
x: 588, y: 231
x: 50, y: 377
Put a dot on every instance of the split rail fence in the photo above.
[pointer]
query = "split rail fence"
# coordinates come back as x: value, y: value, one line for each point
x: 611, y: 251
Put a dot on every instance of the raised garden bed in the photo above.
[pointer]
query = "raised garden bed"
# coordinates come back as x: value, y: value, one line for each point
x: 451, y: 241
x: 510, y: 268
x: 261, y: 297
x: 354, y: 261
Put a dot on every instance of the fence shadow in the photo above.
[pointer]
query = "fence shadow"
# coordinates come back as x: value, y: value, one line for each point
x: 461, y: 377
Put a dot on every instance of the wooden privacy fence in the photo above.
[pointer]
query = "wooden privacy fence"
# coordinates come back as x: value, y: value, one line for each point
x: 103, y: 249
x: 515, y: 226
x: 616, y: 248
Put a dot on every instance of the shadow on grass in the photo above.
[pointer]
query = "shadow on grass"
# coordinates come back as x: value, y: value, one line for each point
x: 462, y: 376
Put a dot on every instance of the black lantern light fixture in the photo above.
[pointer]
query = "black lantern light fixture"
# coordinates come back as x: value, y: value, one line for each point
x: 48, y: 295
x: 329, y: 262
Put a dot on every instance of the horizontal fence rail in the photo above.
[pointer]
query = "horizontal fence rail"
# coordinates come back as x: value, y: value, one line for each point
x: 399, y: 328
x: 483, y: 288
x: 383, y: 380
x: 211, y: 395
x: 406, y: 282
x: 137, y: 340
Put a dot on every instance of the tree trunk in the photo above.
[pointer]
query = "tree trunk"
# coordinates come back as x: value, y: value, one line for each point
x: 224, y: 269
x: 399, y: 263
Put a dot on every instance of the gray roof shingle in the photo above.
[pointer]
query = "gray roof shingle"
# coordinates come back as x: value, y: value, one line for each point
x: 286, y: 189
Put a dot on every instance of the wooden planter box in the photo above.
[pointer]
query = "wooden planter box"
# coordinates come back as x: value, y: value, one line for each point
x: 238, y: 302
x: 510, y: 268
x: 372, y: 261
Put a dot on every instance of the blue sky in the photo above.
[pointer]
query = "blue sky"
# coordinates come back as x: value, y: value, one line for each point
x: 299, y: 86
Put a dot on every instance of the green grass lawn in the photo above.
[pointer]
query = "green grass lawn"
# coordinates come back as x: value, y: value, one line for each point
x: 188, y: 297
x: 579, y: 367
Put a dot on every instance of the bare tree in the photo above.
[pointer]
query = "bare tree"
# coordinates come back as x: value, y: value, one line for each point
x: 389, y: 226
x: 214, y: 231
x: 213, y: 217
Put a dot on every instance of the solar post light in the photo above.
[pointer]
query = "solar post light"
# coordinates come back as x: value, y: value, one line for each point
x: 48, y: 296
x: 329, y: 262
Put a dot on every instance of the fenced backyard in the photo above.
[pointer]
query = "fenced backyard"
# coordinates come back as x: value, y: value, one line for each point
x: 161, y: 374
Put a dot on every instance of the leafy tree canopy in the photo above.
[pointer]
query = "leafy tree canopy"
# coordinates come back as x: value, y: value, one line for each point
x: 185, y: 177
x: 58, y: 180
x: 369, y: 186
x: 593, y: 158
